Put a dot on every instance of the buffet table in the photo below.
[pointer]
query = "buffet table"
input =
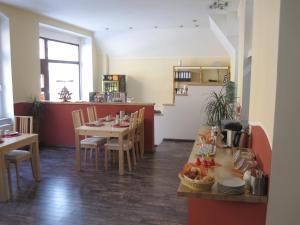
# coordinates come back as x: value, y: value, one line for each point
x: 213, y: 207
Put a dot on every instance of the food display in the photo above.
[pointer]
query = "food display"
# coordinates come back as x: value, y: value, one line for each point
x: 206, y: 138
x: 244, y: 160
x: 207, y: 149
x: 206, y: 161
x: 226, y: 174
x: 196, y: 178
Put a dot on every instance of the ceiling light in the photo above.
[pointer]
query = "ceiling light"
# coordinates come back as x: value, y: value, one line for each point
x: 218, y: 4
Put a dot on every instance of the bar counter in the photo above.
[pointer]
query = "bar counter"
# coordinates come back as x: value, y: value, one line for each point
x: 56, y: 126
x: 212, y: 207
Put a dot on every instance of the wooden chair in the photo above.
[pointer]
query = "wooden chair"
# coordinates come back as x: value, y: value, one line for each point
x: 22, y: 124
x: 139, y: 140
x: 88, y: 143
x: 92, y: 117
x: 128, y: 144
x: 92, y: 114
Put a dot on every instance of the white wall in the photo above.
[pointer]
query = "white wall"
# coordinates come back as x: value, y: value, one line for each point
x: 183, y: 120
x: 24, y: 37
x: 244, y: 59
x: 86, y: 67
x: 58, y: 34
x: 230, y: 47
x: 284, y: 197
x: 151, y: 79
x: 264, y: 64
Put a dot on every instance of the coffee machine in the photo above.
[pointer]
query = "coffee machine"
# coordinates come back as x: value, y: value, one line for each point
x: 231, y: 132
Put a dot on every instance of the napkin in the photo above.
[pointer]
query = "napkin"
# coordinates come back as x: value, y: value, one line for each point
x: 94, y: 125
x: 13, y: 134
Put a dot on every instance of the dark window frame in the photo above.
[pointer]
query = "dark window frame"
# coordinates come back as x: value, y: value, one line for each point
x: 45, y: 65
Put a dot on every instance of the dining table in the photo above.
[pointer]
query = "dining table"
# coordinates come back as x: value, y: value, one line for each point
x: 14, y: 142
x: 103, y: 129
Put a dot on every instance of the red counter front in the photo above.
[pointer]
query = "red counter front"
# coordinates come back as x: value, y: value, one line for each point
x: 56, y: 127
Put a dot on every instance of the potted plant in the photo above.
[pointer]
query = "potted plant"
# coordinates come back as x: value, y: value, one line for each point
x: 220, y: 105
x: 36, y: 111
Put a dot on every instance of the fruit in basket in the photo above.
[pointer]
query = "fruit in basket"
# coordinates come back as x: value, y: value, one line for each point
x: 191, y: 172
x: 207, y: 179
x: 196, y: 174
x: 187, y: 168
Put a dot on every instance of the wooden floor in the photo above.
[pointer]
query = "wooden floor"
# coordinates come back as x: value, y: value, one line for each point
x: 65, y: 197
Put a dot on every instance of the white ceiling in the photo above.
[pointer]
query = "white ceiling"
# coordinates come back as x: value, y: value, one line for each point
x: 188, y: 42
x: 136, y: 28
x: 97, y: 15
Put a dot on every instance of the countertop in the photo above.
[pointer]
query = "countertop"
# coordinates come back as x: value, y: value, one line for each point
x: 100, y: 103
x: 224, y: 157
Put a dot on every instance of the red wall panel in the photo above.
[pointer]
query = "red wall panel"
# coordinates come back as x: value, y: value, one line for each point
x: 56, y: 127
x: 262, y: 148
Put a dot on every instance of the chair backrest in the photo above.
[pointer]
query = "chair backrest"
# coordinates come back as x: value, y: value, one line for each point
x: 141, y: 117
x: 77, y: 117
x: 92, y: 113
x: 23, y: 124
x: 133, y: 125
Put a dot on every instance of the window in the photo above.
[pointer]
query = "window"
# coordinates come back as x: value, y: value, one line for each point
x: 60, y: 67
x: 6, y: 88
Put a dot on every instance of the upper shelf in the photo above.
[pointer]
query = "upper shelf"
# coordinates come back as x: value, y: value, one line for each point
x: 200, y: 68
x: 187, y: 67
x: 192, y: 83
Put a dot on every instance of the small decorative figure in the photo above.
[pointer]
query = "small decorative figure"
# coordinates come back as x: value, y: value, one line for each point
x: 65, y: 94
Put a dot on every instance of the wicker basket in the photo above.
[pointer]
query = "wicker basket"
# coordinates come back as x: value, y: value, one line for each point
x: 195, y: 185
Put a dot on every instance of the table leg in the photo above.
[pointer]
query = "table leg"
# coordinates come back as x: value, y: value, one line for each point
x: 4, y: 190
x: 143, y: 141
x: 36, y: 160
x: 121, y: 155
x: 78, y: 157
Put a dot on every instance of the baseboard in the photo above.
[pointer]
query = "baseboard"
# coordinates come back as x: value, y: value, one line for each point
x: 57, y: 146
x: 178, y: 140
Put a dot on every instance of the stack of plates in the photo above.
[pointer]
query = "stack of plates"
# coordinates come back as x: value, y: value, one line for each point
x: 232, y: 186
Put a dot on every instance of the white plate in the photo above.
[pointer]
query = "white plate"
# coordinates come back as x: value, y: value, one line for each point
x: 232, y: 182
x: 11, y: 133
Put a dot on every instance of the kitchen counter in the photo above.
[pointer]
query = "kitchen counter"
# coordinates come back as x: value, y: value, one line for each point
x: 213, y: 208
